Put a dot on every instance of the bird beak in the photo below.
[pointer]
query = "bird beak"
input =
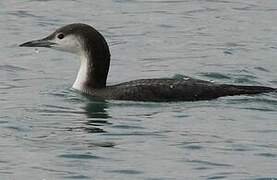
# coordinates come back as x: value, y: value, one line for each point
x: 38, y: 43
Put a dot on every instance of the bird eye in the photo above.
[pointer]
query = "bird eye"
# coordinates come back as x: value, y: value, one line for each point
x: 60, y: 36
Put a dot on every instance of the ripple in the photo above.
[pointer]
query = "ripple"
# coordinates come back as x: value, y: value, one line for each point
x: 215, y: 75
x: 125, y: 171
x: 127, y: 127
x: 265, y: 109
x: 265, y: 131
x: 202, y: 10
x: 208, y: 163
x: 51, y: 170
x: 22, y: 13
x: 57, y: 107
x: 262, y: 99
x: 18, y: 128
x: 246, y: 80
x: 228, y: 51
x: 88, y: 129
x: 248, y: 7
x: 5, y: 162
x: 54, y: 112
x: 135, y: 134
x: 8, y: 86
x: 166, y: 26
x: 80, y: 156
x: 162, y: 1
x: 11, y: 68
x: 4, y: 122
x: 262, y: 69
x: 77, y: 177
x: 40, y: 0
x: 217, y: 177
x: 193, y: 147
x: 269, y: 155
x: 3, y: 119
x: 102, y: 144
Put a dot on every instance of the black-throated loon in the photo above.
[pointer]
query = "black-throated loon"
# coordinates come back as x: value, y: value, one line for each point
x: 90, y: 45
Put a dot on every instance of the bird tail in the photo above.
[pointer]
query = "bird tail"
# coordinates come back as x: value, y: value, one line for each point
x: 241, y: 89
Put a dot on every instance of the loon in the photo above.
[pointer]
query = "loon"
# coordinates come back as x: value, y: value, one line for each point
x: 91, y: 46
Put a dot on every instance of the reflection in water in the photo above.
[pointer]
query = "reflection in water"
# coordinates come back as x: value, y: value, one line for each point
x: 97, y: 115
x: 97, y: 109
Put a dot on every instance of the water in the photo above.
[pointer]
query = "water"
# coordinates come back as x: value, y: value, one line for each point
x: 49, y: 132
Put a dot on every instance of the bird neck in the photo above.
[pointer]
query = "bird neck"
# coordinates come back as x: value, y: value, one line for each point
x: 82, y: 76
x: 93, y: 71
x: 95, y: 62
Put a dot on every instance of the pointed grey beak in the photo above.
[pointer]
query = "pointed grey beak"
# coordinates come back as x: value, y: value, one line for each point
x: 38, y: 43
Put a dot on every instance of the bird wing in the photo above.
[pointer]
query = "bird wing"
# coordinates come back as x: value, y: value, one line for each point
x: 188, y: 89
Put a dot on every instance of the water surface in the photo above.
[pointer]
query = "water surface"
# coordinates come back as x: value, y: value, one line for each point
x: 48, y: 131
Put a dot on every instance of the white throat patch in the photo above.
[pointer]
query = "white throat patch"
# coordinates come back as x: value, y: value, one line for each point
x: 82, y: 74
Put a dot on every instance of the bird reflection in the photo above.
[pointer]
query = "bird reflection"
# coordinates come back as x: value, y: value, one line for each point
x: 97, y: 116
x: 97, y: 109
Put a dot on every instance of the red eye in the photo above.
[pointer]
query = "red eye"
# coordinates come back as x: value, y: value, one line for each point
x: 60, y: 36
